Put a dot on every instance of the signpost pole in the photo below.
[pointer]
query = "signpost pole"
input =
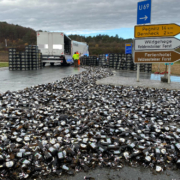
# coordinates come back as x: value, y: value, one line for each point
x: 169, y: 72
x: 165, y: 74
x: 138, y: 68
x: 159, y: 68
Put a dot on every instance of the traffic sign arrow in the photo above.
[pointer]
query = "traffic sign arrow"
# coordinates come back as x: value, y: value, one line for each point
x: 156, y: 43
x: 160, y: 30
x: 156, y: 56
x: 145, y: 18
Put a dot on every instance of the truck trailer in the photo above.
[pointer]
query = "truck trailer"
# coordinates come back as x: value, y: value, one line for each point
x: 56, y: 47
x: 81, y: 47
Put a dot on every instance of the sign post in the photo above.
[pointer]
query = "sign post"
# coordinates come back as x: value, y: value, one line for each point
x: 144, y: 12
x: 169, y: 72
x: 138, y: 70
x: 156, y: 43
x: 158, y: 49
x: 143, y: 17
x: 159, y: 30
x: 156, y: 56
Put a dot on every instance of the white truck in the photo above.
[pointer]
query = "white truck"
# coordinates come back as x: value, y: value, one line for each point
x: 56, y: 47
x: 81, y: 47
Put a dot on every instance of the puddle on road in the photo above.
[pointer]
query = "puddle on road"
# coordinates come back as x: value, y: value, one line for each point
x: 158, y: 77
x: 150, y: 76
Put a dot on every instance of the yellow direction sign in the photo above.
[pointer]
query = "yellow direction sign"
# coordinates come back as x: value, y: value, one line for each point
x: 160, y: 30
x: 156, y: 56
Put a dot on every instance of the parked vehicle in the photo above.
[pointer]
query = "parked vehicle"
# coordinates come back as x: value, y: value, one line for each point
x: 81, y: 47
x: 56, y: 47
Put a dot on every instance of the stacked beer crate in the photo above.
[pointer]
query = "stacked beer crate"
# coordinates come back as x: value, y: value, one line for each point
x: 12, y: 59
x: 129, y: 61
x: 111, y: 60
x: 142, y: 67
x: 83, y: 60
x: 115, y: 60
x: 87, y: 61
x: 118, y: 61
x: 102, y: 61
x: 31, y: 59
x: 148, y: 67
x: 123, y: 62
x: 92, y: 60
x: 145, y: 67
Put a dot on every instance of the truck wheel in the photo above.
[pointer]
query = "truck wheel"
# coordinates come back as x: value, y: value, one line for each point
x: 64, y: 62
x: 44, y: 64
x: 52, y: 64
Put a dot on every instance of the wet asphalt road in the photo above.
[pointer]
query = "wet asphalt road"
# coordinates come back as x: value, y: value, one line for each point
x: 11, y: 80
x: 18, y: 80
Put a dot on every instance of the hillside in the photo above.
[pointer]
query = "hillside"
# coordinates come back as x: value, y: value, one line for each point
x: 18, y: 36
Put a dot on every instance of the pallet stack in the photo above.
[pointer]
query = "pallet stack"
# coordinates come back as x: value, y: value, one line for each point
x: 89, y: 61
x: 102, y: 61
x: 134, y: 67
x: 111, y: 60
x: 83, y: 60
x: 31, y: 59
x: 92, y: 60
x: 145, y: 67
x: 118, y: 63
x: 116, y: 59
x: 12, y: 59
x: 129, y: 61
x: 123, y: 62
x: 148, y: 67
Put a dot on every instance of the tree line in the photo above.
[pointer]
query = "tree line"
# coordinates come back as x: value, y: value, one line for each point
x: 15, y: 35
x: 18, y: 37
x: 102, y: 44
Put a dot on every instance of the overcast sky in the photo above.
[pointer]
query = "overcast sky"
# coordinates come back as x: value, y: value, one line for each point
x: 87, y: 17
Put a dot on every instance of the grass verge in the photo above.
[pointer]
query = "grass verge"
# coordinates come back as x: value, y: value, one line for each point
x: 178, y: 62
x: 4, y: 64
x: 175, y: 69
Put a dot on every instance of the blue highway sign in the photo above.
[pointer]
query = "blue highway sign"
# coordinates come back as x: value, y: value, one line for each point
x: 128, y: 48
x: 144, y: 12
